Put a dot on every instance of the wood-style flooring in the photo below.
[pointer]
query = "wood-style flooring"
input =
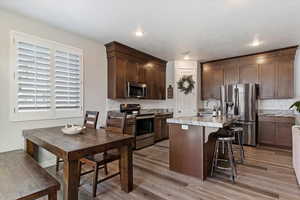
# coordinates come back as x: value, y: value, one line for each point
x: 267, y: 174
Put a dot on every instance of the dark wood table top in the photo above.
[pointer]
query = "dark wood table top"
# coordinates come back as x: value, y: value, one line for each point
x: 22, y: 177
x: 54, y: 140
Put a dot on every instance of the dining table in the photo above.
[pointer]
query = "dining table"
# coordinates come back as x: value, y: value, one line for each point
x: 73, y: 147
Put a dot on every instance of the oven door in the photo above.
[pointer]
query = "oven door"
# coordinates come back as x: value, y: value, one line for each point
x: 136, y: 90
x: 144, y: 125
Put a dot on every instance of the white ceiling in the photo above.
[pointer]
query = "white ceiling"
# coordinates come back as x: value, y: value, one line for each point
x: 209, y: 29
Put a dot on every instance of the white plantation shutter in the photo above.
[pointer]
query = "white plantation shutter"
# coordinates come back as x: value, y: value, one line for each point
x: 67, y: 80
x: 33, y: 77
x: 46, y: 79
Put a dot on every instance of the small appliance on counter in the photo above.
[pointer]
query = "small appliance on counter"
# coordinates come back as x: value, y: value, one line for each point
x: 144, y: 129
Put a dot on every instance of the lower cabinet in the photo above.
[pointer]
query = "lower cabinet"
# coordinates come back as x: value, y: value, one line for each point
x: 275, y: 131
x: 161, y: 129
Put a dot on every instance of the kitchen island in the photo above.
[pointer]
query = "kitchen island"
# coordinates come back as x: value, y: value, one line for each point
x: 192, y: 143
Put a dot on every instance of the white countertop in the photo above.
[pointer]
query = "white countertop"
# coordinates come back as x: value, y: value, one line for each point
x: 214, y: 122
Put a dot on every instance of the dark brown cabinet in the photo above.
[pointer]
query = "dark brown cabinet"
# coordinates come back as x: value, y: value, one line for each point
x: 285, y: 74
x: 267, y: 78
x: 275, y: 131
x: 212, y: 79
x: 267, y: 132
x: 273, y: 71
x: 231, y: 72
x: 161, y: 129
x: 126, y: 64
x: 248, y: 70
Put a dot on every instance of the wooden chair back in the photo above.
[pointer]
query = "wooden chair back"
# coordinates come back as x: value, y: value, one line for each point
x: 90, y: 119
x: 115, y: 122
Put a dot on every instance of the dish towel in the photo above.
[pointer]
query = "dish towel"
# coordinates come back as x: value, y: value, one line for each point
x: 296, y: 151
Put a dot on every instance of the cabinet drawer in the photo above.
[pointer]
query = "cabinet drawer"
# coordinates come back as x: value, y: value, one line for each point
x: 141, y: 143
x: 266, y: 119
x: 290, y: 120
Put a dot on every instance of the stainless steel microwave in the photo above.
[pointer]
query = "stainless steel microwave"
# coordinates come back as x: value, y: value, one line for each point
x: 136, y: 90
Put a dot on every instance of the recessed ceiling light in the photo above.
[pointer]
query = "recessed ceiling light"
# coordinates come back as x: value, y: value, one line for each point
x: 186, y: 57
x: 139, y: 33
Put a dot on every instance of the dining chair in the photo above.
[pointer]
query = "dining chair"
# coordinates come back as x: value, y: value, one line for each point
x: 115, y: 124
x: 90, y: 121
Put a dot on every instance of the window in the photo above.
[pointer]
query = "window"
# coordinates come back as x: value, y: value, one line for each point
x: 46, y: 79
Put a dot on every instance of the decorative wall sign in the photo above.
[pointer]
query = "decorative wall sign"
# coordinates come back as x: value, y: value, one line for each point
x: 186, y: 84
x: 170, y: 92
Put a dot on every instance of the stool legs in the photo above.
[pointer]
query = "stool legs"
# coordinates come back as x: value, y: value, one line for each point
x: 231, y: 159
x: 52, y: 195
x: 215, y: 158
x: 241, y: 146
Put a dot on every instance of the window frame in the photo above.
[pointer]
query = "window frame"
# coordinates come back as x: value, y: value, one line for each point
x: 53, y: 113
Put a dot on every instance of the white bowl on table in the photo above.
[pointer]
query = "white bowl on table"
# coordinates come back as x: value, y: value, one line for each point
x: 72, y: 130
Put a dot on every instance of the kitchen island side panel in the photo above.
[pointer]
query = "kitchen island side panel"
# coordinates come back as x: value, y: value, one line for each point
x: 189, y: 154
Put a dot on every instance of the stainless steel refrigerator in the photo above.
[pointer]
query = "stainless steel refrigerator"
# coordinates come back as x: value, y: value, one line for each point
x: 241, y: 100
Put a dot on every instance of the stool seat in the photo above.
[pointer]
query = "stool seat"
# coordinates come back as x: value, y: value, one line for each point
x: 236, y: 129
x: 226, y: 138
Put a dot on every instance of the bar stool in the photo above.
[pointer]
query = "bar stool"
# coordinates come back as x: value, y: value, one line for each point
x: 238, y: 134
x: 224, y: 140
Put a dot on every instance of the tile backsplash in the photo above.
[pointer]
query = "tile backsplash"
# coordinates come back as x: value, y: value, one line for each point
x: 272, y: 104
x: 146, y: 104
x: 276, y: 104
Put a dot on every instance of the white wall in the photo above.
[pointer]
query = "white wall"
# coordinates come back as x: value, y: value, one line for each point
x: 95, y: 64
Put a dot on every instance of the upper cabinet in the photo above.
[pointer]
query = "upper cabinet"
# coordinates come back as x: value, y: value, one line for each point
x: 212, y: 78
x: 273, y: 71
x: 285, y: 76
x: 248, y: 70
x: 267, y: 78
x: 126, y: 64
x: 231, y: 71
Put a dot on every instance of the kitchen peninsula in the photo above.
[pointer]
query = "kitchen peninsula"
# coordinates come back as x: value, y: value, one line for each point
x: 192, y: 142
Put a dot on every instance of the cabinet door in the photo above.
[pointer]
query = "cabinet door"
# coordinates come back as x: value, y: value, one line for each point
x: 162, y: 82
x: 149, y: 74
x: 132, y: 71
x: 284, y: 134
x: 120, y: 76
x: 165, y: 129
x: 267, y: 133
x: 157, y: 129
x: 285, y: 77
x: 231, y: 73
x: 142, y: 72
x: 212, y: 79
x: 248, y: 73
x: 267, y: 79
x: 155, y: 78
x: 156, y: 82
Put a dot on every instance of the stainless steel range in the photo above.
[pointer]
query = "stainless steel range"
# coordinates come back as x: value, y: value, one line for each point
x: 144, y: 131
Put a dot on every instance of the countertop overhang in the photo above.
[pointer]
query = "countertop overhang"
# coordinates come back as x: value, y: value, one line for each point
x: 214, y: 122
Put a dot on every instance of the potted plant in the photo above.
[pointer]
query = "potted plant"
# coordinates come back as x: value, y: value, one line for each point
x: 296, y: 105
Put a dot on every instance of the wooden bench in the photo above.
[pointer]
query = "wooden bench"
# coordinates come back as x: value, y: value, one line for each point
x: 21, y: 178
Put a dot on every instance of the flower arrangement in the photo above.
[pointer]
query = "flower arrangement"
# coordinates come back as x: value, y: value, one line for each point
x: 186, y: 84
